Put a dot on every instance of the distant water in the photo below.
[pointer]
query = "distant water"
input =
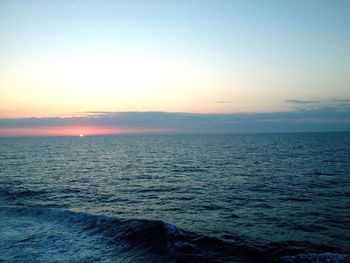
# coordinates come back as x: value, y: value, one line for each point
x: 176, y: 198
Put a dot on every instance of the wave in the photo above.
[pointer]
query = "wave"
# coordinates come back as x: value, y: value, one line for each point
x: 12, y: 195
x: 48, y: 234
x: 317, y: 258
x: 39, y: 234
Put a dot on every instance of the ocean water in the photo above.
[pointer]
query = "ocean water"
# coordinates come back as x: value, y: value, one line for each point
x: 176, y: 198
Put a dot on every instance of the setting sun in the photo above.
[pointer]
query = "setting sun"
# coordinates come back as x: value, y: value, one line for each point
x: 72, y: 131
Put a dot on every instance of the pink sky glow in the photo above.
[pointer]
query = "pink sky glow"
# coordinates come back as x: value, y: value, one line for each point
x: 70, y: 131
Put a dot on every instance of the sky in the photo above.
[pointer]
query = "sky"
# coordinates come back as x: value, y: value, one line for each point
x: 74, y: 66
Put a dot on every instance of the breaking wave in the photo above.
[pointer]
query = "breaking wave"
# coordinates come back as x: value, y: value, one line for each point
x: 39, y: 234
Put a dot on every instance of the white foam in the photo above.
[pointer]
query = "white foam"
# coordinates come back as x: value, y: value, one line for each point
x: 42, y: 235
x: 318, y: 258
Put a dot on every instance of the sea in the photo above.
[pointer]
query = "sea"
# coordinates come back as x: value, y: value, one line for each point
x: 176, y: 198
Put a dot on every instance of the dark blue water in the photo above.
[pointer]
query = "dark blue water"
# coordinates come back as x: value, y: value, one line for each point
x: 176, y: 198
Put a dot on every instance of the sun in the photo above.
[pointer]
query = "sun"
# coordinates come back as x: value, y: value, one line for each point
x: 81, y: 135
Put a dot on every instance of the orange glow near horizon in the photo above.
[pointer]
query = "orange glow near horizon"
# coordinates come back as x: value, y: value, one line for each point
x: 80, y: 131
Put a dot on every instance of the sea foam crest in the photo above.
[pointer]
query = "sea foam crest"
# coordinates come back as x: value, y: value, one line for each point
x: 63, y: 232
x: 317, y: 258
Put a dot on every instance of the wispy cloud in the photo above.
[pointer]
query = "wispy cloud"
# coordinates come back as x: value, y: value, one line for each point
x: 303, y: 101
x: 224, y: 102
x: 333, y: 104
x: 342, y: 100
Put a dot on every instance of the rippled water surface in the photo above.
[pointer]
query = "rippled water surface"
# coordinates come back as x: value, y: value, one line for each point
x: 275, y: 194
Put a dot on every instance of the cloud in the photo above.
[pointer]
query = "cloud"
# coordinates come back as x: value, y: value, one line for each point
x: 224, y: 102
x: 342, y: 100
x: 321, y: 119
x: 333, y: 104
x: 303, y: 101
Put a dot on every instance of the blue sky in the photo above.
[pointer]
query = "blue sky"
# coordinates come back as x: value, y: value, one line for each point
x: 199, y: 57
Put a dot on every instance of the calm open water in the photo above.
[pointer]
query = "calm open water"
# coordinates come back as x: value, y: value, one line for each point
x: 176, y: 198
